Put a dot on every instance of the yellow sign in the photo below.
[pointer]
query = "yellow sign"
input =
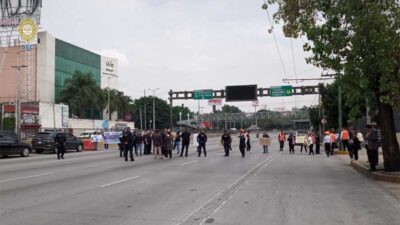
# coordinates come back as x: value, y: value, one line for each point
x: 27, y: 29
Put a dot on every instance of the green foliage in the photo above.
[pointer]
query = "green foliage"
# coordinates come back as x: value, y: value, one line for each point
x: 81, y: 92
x: 8, y: 123
x: 184, y: 110
x: 230, y: 109
x: 161, y: 111
x: 314, y: 117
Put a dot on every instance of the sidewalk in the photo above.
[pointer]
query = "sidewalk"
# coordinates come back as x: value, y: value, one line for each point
x: 389, y: 180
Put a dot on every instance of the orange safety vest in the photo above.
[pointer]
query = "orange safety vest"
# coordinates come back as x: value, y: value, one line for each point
x: 281, y: 137
x: 345, y: 135
x: 333, y: 137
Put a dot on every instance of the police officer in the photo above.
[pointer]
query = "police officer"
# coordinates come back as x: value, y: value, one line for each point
x: 185, y: 142
x: 60, y: 141
x: 242, y: 142
x: 128, y: 144
x: 202, y: 140
x: 226, y: 142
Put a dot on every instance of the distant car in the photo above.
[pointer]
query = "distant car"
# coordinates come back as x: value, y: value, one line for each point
x: 301, y: 135
x: 86, y: 134
x: 10, y: 145
x: 44, y: 141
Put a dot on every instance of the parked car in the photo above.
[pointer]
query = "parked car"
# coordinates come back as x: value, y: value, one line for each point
x: 10, y: 145
x: 87, y: 134
x: 44, y: 141
x: 301, y: 135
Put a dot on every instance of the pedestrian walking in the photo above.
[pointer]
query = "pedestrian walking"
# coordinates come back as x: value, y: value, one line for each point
x: 291, y: 141
x: 226, y: 142
x: 373, y: 137
x: 354, y: 144
x: 157, y: 142
x: 281, y: 139
x: 147, y: 141
x: 202, y: 140
x: 242, y: 142
x: 185, y: 136
x: 139, y: 142
x: 128, y: 144
x: 168, y: 144
x: 60, y: 141
x: 311, y: 140
x: 327, y: 143
x: 177, y: 142
x: 248, y: 145
x: 344, y: 136
x: 317, y: 143
x: 333, y: 141
x: 265, y: 141
x: 304, y: 145
x: 121, y: 144
x: 105, y: 143
x: 163, y: 133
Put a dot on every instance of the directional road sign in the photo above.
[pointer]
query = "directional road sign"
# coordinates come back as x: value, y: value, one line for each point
x: 281, y: 91
x: 203, y: 94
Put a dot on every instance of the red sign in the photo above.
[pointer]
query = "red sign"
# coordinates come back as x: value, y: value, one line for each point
x: 215, y: 101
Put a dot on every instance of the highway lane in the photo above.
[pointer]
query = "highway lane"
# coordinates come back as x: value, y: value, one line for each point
x: 100, y: 188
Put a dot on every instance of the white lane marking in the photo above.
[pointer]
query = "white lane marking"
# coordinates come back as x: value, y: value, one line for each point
x: 120, y: 181
x: 184, y: 164
x: 23, y: 178
x: 268, y: 160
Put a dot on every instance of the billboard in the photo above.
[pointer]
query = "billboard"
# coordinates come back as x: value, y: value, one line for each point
x: 215, y: 101
x: 109, y: 66
x: 241, y: 93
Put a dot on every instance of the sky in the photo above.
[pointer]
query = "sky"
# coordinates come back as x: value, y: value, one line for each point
x: 184, y: 45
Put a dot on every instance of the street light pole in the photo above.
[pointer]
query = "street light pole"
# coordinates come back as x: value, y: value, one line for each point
x: 18, y: 98
x: 180, y: 119
x: 154, y: 107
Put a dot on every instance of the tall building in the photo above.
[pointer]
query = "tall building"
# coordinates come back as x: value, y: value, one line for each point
x: 51, y: 62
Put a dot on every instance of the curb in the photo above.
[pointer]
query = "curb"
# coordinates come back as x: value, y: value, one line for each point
x: 374, y: 175
x: 341, y: 153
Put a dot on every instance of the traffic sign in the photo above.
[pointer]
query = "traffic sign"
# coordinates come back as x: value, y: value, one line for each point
x: 203, y: 94
x: 27, y: 29
x: 281, y: 91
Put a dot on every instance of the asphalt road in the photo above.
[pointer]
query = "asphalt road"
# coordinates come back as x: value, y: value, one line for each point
x: 99, y: 188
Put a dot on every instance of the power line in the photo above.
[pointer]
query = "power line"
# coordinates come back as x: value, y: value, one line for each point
x: 276, y: 42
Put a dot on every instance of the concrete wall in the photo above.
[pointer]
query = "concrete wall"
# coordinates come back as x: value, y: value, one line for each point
x: 46, y: 67
x: 8, y: 75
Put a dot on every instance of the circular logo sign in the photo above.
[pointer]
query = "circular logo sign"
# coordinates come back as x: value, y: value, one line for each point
x: 27, y: 29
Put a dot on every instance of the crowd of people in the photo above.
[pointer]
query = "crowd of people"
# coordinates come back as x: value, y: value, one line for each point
x: 162, y: 143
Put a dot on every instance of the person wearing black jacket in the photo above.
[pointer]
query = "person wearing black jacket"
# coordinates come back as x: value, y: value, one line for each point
x: 317, y: 142
x: 121, y: 144
x: 242, y: 143
x: 60, y: 141
x: 202, y: 140
x: 127, y: 139
x: 373, y: 137
x: 185, y: 142
x: 226, y: 142
x: 138, y: 144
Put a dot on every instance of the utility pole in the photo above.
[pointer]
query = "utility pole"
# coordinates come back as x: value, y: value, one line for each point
x: 154, y: 107
x: 18, y: 98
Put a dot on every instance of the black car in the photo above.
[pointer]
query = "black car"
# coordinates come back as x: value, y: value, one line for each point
x: 10, y: 145
x: 44, y: 141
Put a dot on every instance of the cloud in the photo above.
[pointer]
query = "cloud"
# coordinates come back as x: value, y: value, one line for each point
x: 115, y: 53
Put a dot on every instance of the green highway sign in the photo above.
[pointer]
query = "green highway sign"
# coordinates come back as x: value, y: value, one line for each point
x: 281, y: 91
x: 203, y: 94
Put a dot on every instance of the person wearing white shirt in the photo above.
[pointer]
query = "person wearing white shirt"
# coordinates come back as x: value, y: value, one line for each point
x: 327, y: 142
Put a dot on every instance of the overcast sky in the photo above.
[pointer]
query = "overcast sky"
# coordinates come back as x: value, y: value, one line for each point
x: 184, y: 45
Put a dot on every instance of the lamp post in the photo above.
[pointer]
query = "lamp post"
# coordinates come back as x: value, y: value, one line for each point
x: 154, y: 107
x: 18, y: 98
x: 188, y: 117
x: 180, y: 119
x: 109, y: 76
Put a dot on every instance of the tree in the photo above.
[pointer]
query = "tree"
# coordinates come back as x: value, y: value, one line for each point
x: 360, y: 41
x: 81, y: 92
x: 230, y: 109
x: 161, y: 112
x: 184, y: 110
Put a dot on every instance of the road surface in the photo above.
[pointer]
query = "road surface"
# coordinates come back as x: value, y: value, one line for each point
x: 99, y: 188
